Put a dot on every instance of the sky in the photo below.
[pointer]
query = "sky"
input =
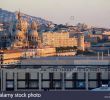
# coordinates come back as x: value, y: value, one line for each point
x: 91, y: 12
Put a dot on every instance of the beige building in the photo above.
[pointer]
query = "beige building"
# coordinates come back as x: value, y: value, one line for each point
x: 63, y: 39
x: 8, y: 57
x: 29, y: 53
x: 106, y: 33
x: 72, y: 53
x: 46, y: 51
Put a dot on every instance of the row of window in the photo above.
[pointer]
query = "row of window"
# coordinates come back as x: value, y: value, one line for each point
x: 67, y: 75
x: 55, y: 84
x: 11, y: 62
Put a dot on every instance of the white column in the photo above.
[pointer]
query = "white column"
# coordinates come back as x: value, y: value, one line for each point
x: 86, y: 80
x: 63, y: 85
x: 1, y: 72
x: 4, y: 81
x: 40, y: 81
x: 15, y: 81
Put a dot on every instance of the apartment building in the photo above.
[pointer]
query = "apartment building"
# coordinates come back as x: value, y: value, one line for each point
x: 63, y: 39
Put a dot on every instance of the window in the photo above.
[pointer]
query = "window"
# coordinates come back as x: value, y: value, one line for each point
x: 10, y: 75
x: 57, y: 75
x: 68, y: 84
x: 56, y: 84
x: 33, y: 84
x: 68, y: 75
x: 9, y: 84
x: 45, y: 75
x: 21, y: 84
x: 45, y: 84
x: 27, y: 78
x: 92, y: 84
x: 81, y: 84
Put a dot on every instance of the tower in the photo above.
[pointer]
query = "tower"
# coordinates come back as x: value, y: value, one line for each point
x: 39, y: 42
x: 19, y: 38
x: 19, y: 15
x: 81, y: 41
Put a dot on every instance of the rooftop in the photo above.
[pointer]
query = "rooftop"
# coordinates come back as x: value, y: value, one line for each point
x: 71, y: 60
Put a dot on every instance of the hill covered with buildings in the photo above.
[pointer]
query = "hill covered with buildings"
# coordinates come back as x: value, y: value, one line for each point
x: 7, y: 18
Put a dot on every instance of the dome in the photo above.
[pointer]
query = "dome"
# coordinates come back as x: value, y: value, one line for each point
x: 22, y: 25
x: 33, y: 33
x: 19, y: 34
x: 34, y: 25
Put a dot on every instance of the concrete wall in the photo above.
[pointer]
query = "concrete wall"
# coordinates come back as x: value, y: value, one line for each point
x: 15, y: 79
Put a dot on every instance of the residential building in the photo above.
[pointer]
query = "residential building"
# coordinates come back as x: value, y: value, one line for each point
x: 63, y: 39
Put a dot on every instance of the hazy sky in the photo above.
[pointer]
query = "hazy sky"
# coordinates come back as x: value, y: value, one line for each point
x: 92, y: 12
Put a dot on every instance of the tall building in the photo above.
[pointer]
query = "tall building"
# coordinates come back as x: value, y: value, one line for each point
x: 80, y: 41
x: 63, y: 39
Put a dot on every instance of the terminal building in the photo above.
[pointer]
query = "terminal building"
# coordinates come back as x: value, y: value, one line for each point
x: 56, y: 73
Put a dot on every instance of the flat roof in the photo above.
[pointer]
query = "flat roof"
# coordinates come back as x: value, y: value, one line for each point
x: 71, y: 60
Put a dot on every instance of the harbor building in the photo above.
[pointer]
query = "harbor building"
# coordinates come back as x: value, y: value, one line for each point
x: 56, y: 73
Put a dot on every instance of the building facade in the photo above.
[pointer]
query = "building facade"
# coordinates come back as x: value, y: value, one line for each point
x: 55, y: 73
x: 46, y: 51
x: 14, y: 57
x: 63, y: 39
x: 52, y: 79
x: 10, y: 57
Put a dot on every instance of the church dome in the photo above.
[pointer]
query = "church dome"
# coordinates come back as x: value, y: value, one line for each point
x: 22, y: 25
x: 34, y: 25
x: 33, y: 33
x: 20, y: 34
